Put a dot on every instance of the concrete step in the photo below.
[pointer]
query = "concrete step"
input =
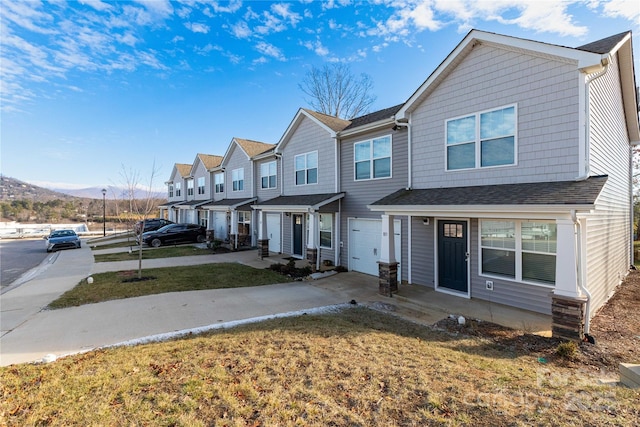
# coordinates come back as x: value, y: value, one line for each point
x: 630, y: 375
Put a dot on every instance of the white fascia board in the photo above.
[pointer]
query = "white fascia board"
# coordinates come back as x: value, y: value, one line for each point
x: 283, y: 208
x: 484, y: 211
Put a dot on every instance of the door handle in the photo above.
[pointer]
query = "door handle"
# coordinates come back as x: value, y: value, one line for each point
x: 466, y: 256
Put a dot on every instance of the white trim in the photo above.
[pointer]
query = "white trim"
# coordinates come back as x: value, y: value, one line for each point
x: 371, y: 159
x: 436, y: 286
x: 233, y: 190
x: 306, y: 168
x: 484, y: 211
x: 267, y: 164
x: 320, y: 230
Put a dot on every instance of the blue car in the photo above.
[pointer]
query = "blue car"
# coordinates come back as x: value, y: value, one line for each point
x: 62, y: 239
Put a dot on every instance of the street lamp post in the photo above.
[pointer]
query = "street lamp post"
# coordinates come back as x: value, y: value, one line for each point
x: 104, y: 211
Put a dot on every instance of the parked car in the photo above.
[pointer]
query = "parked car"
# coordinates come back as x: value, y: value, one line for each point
x: 175, y: 233
x: 151, y: 224
x: 62, y: 239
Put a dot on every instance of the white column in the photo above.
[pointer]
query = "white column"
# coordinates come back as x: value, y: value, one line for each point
x: 263, y: 233
x: 387, y: 243
x: 313, y: 220
x: 234, y: 222
x: 566, y: 260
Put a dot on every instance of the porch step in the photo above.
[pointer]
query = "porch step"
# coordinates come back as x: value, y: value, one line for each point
x: 630, y: 375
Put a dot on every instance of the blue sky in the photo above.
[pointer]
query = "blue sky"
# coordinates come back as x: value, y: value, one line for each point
x: 90, y: 89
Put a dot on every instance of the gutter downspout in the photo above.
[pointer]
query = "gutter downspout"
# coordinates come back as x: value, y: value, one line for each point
x: 409, y: 150
x: 587, y: 121
x: 580, y: 270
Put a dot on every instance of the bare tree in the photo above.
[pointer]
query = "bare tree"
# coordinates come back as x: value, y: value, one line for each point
x: 141, y: 206
x: 336, y: 91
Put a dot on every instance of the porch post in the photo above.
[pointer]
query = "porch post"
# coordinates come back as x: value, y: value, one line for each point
x: 312, y: 250
x: 233, y: 237
x: 568, y: 303
x: 387, y: 265
x: 263, y: 235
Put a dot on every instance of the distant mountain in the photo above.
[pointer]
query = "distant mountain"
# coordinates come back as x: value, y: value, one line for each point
x: 14, y: 189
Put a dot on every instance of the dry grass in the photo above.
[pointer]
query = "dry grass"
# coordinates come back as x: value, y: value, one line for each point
x: 153, y: 253
x: 355, y: 368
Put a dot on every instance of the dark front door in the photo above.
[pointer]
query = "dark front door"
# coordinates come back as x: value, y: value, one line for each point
x: 297, y: 234
x: 452, y: 255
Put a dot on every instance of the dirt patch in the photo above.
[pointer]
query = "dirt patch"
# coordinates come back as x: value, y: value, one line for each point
x: 616, y: 329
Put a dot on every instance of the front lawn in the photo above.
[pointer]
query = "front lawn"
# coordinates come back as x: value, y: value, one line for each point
x: 153, y: 253
x: 357, y: 367
x: 124, y: 284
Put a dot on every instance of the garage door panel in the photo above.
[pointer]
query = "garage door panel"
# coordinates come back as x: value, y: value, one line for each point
x: 364, y: 245
x: 273, y: 232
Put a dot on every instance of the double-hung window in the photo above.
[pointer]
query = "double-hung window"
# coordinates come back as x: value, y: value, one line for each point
x: 170, y: 190
x: 219, y: 182
x: 201, y: 185
x: 190, y: 187
x: 307, y: 168
x: 326, y: 230
x: 268, y: 175
x: 372, y: 158
x: 178, y: 189
x: 519, y: 250
x: 237, y: 178
x: 482, y: 139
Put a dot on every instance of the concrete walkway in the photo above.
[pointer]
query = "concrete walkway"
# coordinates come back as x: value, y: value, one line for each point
x: 29, y: 332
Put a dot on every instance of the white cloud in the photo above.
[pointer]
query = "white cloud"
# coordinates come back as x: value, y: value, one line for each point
x: 283, y: 10
x: 197, y: 27
x: 161, y: 8
x: 97, y: 4
x: 270, y: 50
x: 230, y: 6
x: 241, y: 30
x: 627, y: 9
x: 317, y: 47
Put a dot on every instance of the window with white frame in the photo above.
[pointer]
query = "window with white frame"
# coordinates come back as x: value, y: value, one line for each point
x: 326, y: 230
x: 170, y: 190
x: 237, y: 178
x: 268, y: 174
x: 244, y: 222
x: 203, y: 218
x: 372, y: 158
x: 190, y: 187
x: 482, y: 139
x: 201, y: 185
x: 519, y: 250
x: 219, y: 182
x: 307, y: 168
x: 178, y: 189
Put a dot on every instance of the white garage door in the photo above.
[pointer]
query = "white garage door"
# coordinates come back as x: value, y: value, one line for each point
x: 273, y: 232
x: 364, y: 245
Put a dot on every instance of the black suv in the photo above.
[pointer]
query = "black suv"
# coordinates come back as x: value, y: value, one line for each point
x: 151, y: 224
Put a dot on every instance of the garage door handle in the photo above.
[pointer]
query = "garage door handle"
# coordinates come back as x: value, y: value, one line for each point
x: 355, y: 257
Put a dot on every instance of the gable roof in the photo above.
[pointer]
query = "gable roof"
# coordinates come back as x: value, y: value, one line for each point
x: 332, y: 125
x: 210, y: 161
x: 605, y: 45
x: 183, y: 169
x: 253, y: 148
x: 560, y: 193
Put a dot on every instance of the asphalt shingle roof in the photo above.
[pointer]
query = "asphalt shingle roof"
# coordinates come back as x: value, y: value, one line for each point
x: 540, y: 193
x: 374, y: 117
x: 183, y: 169
x: 334, y: 123
x: 605, y: 45
x: 253, y: 148
x: 231, y: 202
x: 210, y: 161
x: 301, y: 200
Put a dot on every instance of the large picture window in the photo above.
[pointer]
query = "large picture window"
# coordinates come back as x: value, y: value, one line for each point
x: 306, y: 168
x: 268, y: 175
x: 219, y: 182
x: 237, y: 178
x: 326, y: 230
x: 519, y: 250
x: 372, y: 158
x: 482, y: 140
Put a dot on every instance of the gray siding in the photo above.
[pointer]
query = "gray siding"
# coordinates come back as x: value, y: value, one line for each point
x: 307, y: 137
x: 238, y: 159
x: 546, y: 94
x: 608, y: 229
x: 359, y: 194
x: 267, y: 193
x: 218, y: 196
x: 201, y: 171
x: 422, y: 252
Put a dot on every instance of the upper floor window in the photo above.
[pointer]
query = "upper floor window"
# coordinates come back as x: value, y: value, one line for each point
x: 170, y: 190
x: 482, y: 139
x: 201, y: 185
x: 519, y: 250
x: 307, y: 168
x: 372, y: 158
x: 268, y: 174
x: 237, y: 178
x: 219, y: 183
x: 190, y: 187
x: 178, y: 189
